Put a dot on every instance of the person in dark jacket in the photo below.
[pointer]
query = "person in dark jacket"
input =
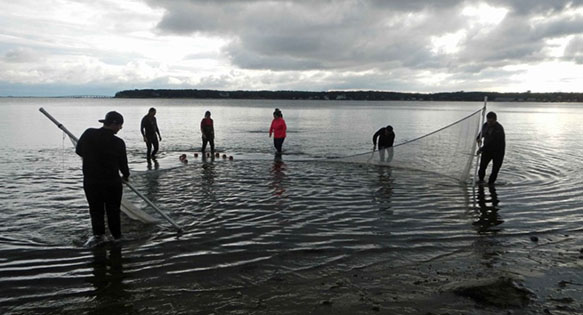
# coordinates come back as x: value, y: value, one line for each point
x: 208, y: 132
x: 151, y: 133
x: 493, y: 148
x: 386, y: 138
x: 104, y: 157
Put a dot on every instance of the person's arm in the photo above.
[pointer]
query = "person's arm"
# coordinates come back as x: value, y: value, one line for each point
x: 143, y: 128
x: 374, y: 139
x: 202, y: 128
x: 271, y: 128
x: 80, y: 148
x: 123, y: 161
x: 480, y: 134
x: 157, y: 129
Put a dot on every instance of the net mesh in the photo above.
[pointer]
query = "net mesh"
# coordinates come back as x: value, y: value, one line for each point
x: 447, y: 151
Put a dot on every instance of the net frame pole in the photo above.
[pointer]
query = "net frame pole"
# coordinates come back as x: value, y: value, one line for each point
x: 479, y: 136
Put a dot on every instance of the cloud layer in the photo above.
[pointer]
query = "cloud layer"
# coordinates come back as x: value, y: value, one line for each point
x: 415, y: 46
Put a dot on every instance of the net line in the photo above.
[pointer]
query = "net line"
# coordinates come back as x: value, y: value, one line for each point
x: 448, y: 151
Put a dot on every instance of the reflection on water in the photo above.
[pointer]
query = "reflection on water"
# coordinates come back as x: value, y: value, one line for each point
x: 111, y: 294
x: 208, y: 178
x: 278, y: 172
x: 384, y: 191
x: 489, y: 219
x: 156, y: 165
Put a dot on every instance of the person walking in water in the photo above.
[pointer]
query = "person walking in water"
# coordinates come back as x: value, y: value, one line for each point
x: 386, y: 138
x: 493, y: 148
x: 278, y: 129
x: 208, y: 132
x: 151, y: 134
x: 104, y: 157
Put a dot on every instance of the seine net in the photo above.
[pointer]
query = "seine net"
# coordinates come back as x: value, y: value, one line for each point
x: 447, y: 151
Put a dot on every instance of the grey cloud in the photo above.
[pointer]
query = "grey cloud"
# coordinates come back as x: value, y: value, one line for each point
x: 528, y: 7
x: 574, y: 50
x: 361, y: 35
x: 21, y: 55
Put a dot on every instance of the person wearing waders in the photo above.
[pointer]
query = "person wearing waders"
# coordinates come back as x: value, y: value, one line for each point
x: 278, y: 129
x: 493, y: 149
x: 386, y: 138
x: 104, y: 157
x: 151, y: 134
x: 208, y: 133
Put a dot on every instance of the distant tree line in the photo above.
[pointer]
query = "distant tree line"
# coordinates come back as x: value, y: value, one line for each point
x: 354, y: 95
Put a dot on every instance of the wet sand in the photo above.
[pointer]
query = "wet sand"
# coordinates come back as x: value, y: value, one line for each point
x: 545, y: 277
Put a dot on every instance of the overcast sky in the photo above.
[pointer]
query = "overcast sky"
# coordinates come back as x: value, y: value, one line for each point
x: 98, y: 47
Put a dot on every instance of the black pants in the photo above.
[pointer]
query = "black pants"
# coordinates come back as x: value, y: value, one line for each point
x: 211, y: 142
x: 496, y: 158
x: 151, y: 142
x: 278, y: 143
x: 104, y: 197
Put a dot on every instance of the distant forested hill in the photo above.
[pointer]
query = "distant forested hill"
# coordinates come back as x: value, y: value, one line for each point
x: 354, y: 95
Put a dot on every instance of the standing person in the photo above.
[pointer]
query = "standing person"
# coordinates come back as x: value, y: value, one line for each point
x: 493, y: 148
x: 386, y: 138
x: 208, y: 132
x: 104, y: 156
x: 278, y: 129
x: 149, y: 129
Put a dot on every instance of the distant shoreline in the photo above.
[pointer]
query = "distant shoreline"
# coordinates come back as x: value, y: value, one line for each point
x: 460, y: 96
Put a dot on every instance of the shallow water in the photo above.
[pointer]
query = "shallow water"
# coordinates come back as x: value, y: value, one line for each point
x: 257, y: 221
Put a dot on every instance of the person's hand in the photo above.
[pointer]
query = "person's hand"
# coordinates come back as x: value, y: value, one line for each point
x: 479, y: 151
x: 145, y: 139
x: 204, y: 136
x: 270, y: 135
x: 160, y: 138
x: 125, y: 179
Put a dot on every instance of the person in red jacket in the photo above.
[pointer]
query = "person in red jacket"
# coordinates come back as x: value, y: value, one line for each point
x: 208, y: 132
x: 278, y: 129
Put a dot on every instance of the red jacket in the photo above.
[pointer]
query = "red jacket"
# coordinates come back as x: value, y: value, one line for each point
x: 278, y: 128
x: 207, y: 128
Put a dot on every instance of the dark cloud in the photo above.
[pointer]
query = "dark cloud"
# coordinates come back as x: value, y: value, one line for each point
x: 536, y: 7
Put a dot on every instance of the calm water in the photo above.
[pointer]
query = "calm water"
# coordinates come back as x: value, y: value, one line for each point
x: 255, y: 220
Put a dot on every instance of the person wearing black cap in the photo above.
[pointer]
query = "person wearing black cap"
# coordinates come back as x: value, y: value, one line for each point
x: 386, y: 137
x: 149, y: 129
x: 104, y: 157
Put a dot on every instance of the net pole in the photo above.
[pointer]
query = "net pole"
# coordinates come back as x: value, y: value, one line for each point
x: 479, y: 136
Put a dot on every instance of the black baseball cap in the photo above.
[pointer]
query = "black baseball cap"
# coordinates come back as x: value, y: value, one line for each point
x: 112, y: 118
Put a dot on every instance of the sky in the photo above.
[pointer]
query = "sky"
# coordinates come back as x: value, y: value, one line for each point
x: 89, y: 47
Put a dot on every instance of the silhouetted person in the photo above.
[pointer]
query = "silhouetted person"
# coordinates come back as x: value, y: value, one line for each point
x: 208, y: 132
x: 386, y: 138
x: 493, y: 148
x: 104, y: 157
x: 151, y: 133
